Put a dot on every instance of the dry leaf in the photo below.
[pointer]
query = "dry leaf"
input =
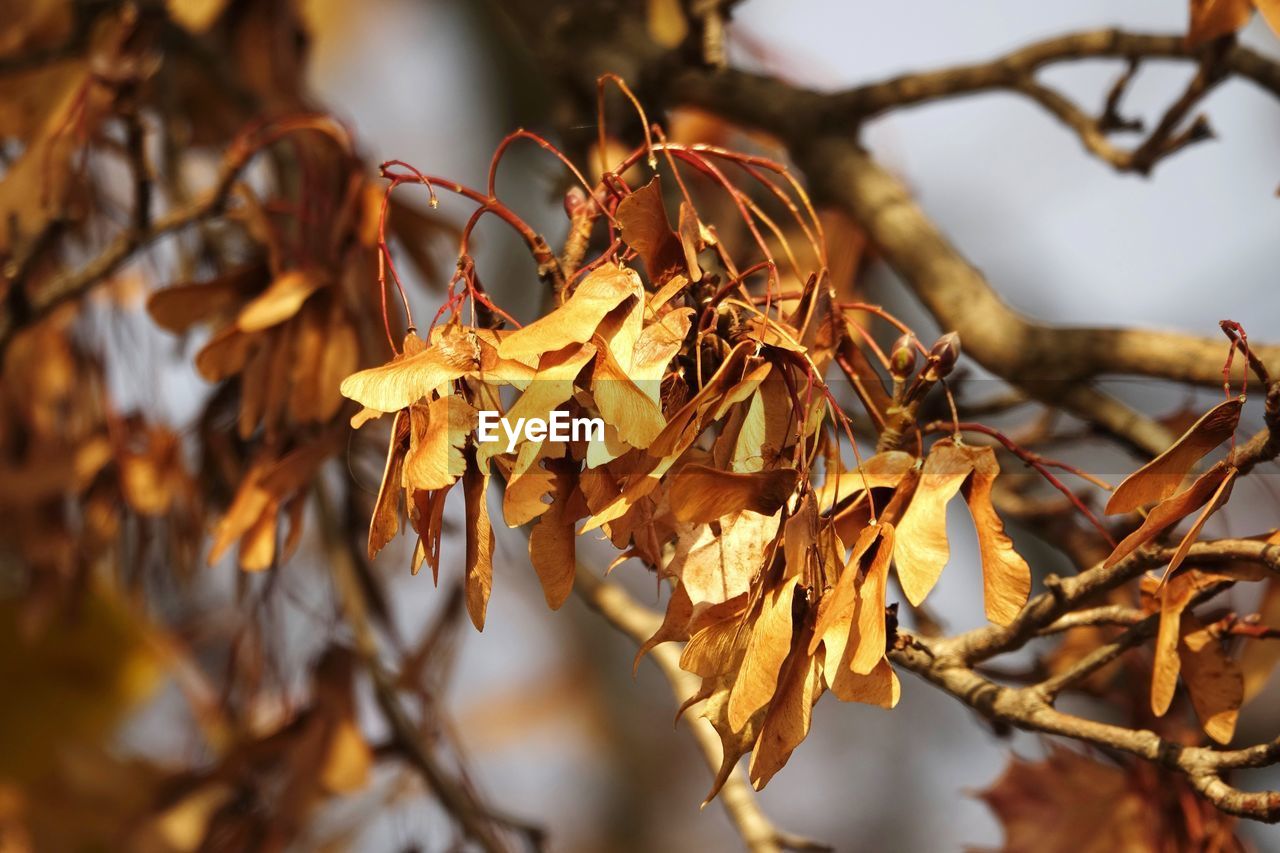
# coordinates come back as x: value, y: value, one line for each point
x: 479, y: 566
x: 646, y: 229
x: 1163, y: 476
x: 700, y: 493
x: 1006, y: 577
x: 922, y: 549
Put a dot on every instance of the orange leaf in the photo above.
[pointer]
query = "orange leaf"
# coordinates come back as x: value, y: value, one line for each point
x: 646, y: 229
x: 574, y: 322
x: 280, y: 301
x: 552, y: 540
x: 1170, y: 511
x: 701, y: 493
x: 1006, y: 577
x: 1211, y: 19
x: 1162, y: 476
x: 1214, y: 683
x: 479, y: 566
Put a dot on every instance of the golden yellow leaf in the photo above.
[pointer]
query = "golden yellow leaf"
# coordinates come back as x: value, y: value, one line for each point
x: 921, y: 550
x: 767, y: 647
x: 574, y: 322
x: 437, y: 433
x: 701, y: 493
x: 409, y: 377
x: 279, y: 302
x: 631, y: 411
x: 479, y: 564
x: 787, y: 721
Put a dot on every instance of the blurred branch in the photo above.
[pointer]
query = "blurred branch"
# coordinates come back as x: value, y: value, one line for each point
x: 477, y: 819
x: 639, y: 623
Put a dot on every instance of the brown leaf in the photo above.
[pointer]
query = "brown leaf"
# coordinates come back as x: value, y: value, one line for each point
x: 1163, y: 476
x: 646, y: 229
x: 552, y: 548
x: 736, y: 741
x: 385, y: 520
x: 787, y: 721
x: 692, y: 240
x: 700, y: 493
x: 767, y: 648
x: 675, y: 625
x: 479, y: 566
x: 181, y: 306
x: 1171, y: 510
x: 1213, y: 681
x: 1006, y: 577
x: 1189, y: 538
x: 1070, y: 803
x: 225, y: 354
x: 1173, y: 598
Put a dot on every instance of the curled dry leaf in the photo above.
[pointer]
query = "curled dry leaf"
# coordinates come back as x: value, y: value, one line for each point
x: 647, y: 230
